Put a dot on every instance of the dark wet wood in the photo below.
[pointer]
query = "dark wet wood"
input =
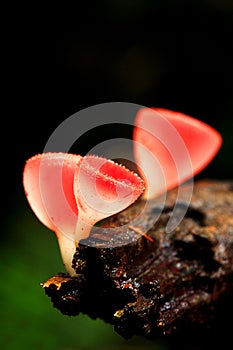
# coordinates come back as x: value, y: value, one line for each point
x: 168, y: 284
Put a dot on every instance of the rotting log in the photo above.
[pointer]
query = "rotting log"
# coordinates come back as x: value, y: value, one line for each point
x: 159, y: 283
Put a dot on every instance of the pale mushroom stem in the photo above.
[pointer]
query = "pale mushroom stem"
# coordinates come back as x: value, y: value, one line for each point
x: 69, y: 245
x: 67, y: 249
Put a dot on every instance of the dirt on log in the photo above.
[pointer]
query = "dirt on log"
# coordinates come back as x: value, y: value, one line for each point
x: 157, y: 283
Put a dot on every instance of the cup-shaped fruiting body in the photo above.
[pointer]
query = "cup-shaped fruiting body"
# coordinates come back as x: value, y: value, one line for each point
x: 102, y: 188
x: 69, y: 194
x: 171, y: 147
x: 48, y: 182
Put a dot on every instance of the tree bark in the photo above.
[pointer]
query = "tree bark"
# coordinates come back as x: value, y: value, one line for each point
x: 159, y: 283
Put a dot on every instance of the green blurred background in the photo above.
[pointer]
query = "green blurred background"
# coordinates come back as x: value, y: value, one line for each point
x: 171, y: 54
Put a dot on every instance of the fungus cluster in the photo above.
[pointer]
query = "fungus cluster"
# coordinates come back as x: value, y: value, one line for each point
x: 70, y: 193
